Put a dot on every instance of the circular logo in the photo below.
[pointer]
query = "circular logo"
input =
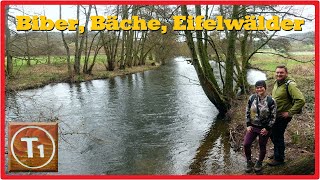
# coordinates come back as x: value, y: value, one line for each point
x: 44, y: 135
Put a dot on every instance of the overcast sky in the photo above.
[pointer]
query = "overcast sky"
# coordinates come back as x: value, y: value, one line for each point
x: 69, y: 12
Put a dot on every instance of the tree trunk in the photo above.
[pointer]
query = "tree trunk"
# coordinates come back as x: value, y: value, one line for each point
x: 76, y: 65
x: 136, y: 48
x: 66, y: 47
x: 205, y: 75
x: 48, y: 43
x: 122, y: 58
x: 48, y: 48
x: 79, y: 52
x: 129, y: 49
x: 231, y: 57
x: 86, y: 68
x: 86, y: 54
x: 129, y: 46
x: 27, y: 53
x: 96, y: 51
x: 114, y: 46
x: 124, y: 37
x: 142, y: 56
x: 9, y: 69
x: 242, y: 77
x: 27, y: 49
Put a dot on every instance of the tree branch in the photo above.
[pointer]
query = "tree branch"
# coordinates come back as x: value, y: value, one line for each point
x: 287, y: 57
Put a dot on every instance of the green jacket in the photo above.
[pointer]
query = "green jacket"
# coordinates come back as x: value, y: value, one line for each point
x: 279, y: 93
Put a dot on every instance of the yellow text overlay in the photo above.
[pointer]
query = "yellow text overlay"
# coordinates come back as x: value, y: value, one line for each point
x: 179, y: 23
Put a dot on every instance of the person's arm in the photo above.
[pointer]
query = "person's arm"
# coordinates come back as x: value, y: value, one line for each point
x: 248, y: 112
x: 297, y: 97
x: 272, y: 116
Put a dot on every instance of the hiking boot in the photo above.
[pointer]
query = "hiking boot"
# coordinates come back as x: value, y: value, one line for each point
x: 258, y: 166
x: 249, y: 166
x: 275, y: 163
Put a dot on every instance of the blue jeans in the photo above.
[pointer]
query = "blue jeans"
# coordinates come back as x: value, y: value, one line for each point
x: 277, y: 137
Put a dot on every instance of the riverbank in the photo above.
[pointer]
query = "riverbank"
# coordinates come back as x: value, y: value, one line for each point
x: 136, y: 124
x: 300, y: 133
x: 40, y: 75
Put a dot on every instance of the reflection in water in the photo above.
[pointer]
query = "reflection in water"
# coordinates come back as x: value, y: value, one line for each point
x: 154, y: 122
x: 215, y: 155
x: 12, y: 104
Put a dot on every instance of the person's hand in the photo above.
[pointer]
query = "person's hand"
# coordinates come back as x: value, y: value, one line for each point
x: 285, y: 114
x: 249, y: 128
x: 264, y: 132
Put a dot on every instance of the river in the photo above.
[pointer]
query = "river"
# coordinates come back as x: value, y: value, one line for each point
x: 157, y: 122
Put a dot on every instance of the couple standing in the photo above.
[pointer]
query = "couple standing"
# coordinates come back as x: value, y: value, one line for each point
x: 268, y: 116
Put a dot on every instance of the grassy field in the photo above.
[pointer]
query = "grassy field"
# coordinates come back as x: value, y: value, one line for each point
x: 269, y: 62
x: 40, y: 73
x: 22, y: 61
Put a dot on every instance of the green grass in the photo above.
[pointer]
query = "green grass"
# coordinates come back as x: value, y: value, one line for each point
x: 269, y: 62
x: 22, y: 61
x: 40, y: 73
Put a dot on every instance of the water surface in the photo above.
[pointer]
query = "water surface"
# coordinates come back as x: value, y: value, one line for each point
x: 153, y: 122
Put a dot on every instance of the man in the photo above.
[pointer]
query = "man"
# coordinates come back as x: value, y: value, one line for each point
x: 289, y: 101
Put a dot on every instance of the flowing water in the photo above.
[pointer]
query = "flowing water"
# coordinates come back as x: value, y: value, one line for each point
x: 153, y: 122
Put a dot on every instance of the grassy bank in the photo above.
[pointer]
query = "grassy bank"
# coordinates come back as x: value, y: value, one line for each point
x: 300, y: 133
x: 41, y: 74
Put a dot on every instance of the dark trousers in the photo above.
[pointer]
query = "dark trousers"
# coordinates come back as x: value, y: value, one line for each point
x: 250, y: 137
x: 277, y: 137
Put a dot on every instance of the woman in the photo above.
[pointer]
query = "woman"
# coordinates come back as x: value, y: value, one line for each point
x: 260, y: 117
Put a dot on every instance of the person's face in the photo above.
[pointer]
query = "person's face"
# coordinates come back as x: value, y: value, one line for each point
x: 260, y: 90
x: 281, y: 74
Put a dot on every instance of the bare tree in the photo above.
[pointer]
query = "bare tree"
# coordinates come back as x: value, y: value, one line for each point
x: 9, y: 69
x: 48, y: 49
x: 231, y: 57
x: 87, y: 69
x: 77, y: 59
x: 66, y: 47
x: 79, y: 46
x: 122, y: 65
x: 224, y: 45
x: 27, y: 52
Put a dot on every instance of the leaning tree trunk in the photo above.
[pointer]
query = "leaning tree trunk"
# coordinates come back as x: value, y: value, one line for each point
x: 203, y: 69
